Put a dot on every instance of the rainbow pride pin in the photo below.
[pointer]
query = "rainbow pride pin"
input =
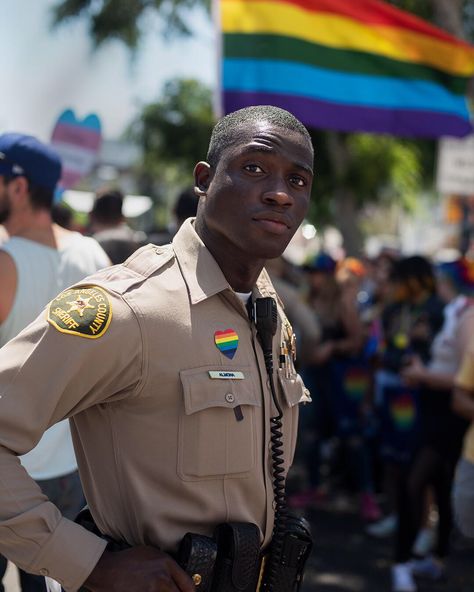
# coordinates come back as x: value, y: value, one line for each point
x: 227, y: 342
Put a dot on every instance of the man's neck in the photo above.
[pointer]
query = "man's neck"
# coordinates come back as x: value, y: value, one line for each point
x: 242, y: 278
x: 240, y: 271
x: 37, y: 226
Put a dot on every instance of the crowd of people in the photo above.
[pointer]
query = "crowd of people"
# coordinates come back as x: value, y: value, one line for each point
x: 384, y: 346
x: 388, y: 419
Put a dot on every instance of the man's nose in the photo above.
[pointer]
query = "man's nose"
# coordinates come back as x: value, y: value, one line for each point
x: 278, y: 195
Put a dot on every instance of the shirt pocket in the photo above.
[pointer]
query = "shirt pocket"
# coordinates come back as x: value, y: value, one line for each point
x: 293, y: 392
x: 215, y: 438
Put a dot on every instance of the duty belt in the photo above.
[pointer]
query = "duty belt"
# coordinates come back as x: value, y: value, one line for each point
x: 232, y: 561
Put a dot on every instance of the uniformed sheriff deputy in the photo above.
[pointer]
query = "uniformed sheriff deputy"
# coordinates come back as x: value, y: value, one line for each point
x: 158, y: 367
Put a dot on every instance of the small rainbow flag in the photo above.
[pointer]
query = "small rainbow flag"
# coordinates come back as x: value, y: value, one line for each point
x: 227, y: 342
x: 403, y: 411
x: 347, y: 65
x: 356, y: 383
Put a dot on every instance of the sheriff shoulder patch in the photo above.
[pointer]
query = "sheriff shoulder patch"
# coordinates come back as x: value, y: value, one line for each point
x: 85, y: 311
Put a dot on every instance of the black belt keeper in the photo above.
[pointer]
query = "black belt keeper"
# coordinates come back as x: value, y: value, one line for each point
x: 238, y: 554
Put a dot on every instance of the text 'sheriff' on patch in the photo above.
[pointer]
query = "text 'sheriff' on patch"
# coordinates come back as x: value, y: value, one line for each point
x: 85, y: 311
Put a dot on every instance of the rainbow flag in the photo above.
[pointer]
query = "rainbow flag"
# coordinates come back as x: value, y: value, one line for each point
x: 403, y: 411
x: 351, y: 65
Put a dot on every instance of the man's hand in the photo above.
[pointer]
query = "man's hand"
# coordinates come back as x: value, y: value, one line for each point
x: 140, y: 569
x: 414, y: 373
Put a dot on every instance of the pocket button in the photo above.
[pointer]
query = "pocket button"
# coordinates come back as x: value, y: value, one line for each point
x: 230, y: 398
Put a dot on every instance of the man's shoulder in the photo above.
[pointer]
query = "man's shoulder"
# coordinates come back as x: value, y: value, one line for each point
x: 7, y: 267
x: 146, y: 261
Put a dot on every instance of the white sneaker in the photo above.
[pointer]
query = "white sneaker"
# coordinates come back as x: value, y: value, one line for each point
x: 402, y: 579
x: 384, y: 527
x: 425, y: 541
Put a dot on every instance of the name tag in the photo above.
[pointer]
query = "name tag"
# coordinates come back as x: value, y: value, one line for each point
x: 226, y: 375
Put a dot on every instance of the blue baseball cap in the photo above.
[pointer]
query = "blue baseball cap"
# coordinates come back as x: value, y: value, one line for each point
x: 322, y: 262
x: 22, y: 155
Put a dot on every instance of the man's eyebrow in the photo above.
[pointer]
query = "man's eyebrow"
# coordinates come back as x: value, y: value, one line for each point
x: 259, y: 148
x: 271, y: 150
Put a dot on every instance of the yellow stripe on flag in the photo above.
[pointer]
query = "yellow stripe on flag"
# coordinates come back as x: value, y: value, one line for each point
x: 278, y: 18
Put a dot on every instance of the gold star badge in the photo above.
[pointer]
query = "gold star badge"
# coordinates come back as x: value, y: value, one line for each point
x: 80, y: 305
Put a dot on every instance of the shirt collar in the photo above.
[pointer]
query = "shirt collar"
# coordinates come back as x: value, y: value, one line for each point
x: 201, y: 273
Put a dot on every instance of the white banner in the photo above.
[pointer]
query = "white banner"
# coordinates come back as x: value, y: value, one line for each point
x: 455, y: 169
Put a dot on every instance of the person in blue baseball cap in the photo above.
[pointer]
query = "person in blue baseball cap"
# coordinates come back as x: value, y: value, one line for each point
x: 23, y: 156
x: 37, y: 259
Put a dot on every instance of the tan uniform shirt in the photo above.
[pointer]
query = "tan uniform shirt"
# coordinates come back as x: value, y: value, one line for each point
x: 172, y: 432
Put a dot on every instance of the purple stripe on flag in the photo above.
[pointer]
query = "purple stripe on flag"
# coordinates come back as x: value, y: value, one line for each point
x: 325, y: 115
x: 78, y: 136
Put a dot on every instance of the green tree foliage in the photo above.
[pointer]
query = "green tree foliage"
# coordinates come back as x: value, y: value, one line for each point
x: 430, y: 9
x: 422, y: 8
x: 126, y: 20
x: 366, y: 169
x: 174, y: 132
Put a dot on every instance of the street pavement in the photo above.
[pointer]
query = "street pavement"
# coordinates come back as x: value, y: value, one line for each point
x: 344, y: 559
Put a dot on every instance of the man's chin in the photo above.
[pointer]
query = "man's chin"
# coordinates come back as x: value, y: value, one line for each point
x: 270, y: 252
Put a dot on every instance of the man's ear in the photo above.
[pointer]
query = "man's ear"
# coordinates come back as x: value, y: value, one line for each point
x: 202, y: 178
x: 19, y: 187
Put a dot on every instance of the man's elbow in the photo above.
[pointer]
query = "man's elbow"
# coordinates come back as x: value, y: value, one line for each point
x: 463, y: 403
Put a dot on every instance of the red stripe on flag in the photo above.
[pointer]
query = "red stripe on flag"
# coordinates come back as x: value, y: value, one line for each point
x: 374, y: 12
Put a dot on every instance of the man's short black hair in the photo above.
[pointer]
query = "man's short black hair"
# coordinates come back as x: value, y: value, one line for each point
x: 186, y: 205
x: 236, y: 125
x: 42, y: 198
x: 107, y: 208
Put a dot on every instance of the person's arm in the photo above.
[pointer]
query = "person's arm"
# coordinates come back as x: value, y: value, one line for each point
x: 46, y: 376
x: 463, y: 395
x: 354, y: 340
x: 463, y: 402
x: 416, y: 373
x: 8, y: 284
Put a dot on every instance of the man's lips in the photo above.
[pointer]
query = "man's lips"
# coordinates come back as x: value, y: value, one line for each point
x: 274, y: 219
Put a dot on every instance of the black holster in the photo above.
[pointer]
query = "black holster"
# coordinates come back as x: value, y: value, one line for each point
x: 238, y: 557
x: 197, y: 556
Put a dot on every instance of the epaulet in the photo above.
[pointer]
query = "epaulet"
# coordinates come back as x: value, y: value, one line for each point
x: 138, y: 267
x: 149, y: 259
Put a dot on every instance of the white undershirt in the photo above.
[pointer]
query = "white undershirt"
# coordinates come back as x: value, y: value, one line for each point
x: 244, y: 296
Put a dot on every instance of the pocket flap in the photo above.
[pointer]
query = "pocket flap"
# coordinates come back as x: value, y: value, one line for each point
x: 293, y: 389
x: 230, y: 389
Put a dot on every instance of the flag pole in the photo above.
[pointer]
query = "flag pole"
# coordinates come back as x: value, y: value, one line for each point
x: 217, y: 95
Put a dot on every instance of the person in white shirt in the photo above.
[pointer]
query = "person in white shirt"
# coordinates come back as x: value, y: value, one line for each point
x: 38, y: 259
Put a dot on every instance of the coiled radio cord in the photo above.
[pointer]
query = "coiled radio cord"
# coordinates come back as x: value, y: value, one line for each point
x: 266, y: 319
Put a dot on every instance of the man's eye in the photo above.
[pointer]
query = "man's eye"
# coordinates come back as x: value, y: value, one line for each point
x: 297, y: 180
x: 253, y: 168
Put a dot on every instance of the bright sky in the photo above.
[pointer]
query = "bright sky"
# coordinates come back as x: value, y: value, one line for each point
x: 45, y: 71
